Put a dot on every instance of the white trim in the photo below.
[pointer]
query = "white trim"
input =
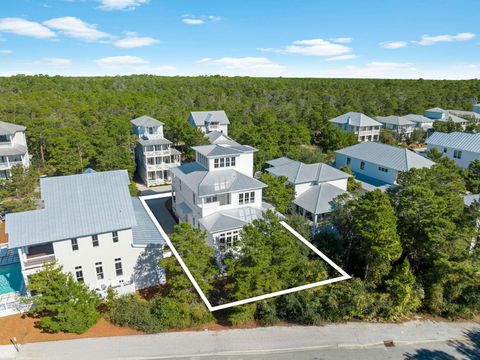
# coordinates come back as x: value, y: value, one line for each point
x: 344, y: 276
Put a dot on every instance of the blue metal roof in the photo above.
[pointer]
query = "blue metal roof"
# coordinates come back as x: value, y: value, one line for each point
x: 75, y: 206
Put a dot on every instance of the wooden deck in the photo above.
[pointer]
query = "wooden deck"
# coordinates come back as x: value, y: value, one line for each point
x: 3, y: 236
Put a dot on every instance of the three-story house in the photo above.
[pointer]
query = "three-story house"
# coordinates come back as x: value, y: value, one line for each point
x: 13, y: 148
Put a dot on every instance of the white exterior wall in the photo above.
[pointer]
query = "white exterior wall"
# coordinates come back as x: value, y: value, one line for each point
x: 8, y: 161
x: 370, y: 169
x: 107, y: 251
x: 463, y: 162
x: 208, y: 209
x: 368, y: 133
x: 185, y: 195
x: 143, y: 132
x: 243, y: 164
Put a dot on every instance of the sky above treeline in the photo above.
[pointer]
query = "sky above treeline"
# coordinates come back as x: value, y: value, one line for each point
x: 431, y: 39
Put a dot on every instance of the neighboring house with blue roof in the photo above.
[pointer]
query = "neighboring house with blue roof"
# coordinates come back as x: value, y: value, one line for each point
x: 217, y: 193
x: 208, y: 121
x: 153, y: 154
x: 316, y: 185
x: 476, y: 108
x: 461, y: 147
x: 441, y: 115
x: 91, y: 226
x: 379, y: 164
x: 13, y: 148
x: 366, y: 128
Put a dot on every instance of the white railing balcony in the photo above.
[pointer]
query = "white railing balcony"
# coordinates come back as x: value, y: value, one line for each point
x: 162, y: 166
x: 38, y: 261
x: 9, y: 164
x: 156, y: 153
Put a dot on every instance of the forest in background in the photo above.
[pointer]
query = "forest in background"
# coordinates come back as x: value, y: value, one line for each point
x: 73, y: 123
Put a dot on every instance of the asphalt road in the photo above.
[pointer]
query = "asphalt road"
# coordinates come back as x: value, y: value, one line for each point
x: 413, y: 340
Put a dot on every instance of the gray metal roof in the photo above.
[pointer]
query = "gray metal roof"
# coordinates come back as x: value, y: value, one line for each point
x: 159, y: 141
x: 75, y: 206
x: 436, y: 109
x: 217, y: 137
x: 280, y: 161
x: 393, y: 157
x: 417, y: 118
x: 355, y: 119
x: 10, y: 129
x: 469, y: 199
x: 462, y: 113
x: 207, y: 183
x: 456, y: 140
x: 231, y: 219
x: 299, y: 173
x: 316, y: 200
x: 456, y: 119
x: 199, y: 118
x: 394, y: 120
x: 175, y: 151
x: 145, y: 232
x: 146, y: 121
x: 13, y: 150
x: 219, y: 150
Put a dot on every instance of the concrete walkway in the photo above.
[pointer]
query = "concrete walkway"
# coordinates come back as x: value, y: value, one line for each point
x: 254, y: 343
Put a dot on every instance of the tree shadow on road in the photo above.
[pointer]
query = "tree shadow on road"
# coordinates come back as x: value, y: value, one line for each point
x: 469, y: 348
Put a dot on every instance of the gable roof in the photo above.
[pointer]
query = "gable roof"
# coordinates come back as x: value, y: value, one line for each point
x: 317, y: 198
x: 447, y: 115
x: 394, y: 120
x: 199, y: 118
x: 279, y: 161
x: 146, y: 121
x: 355, y: 119
x: 217, y: 137
x: 75, y: 206
x: 393, y: 157
x: 10, y: 129
x: 418, y: 118
x: 299, y: 173
x: 219, y: 150
x: 207, y: 183
x: 456, y: 140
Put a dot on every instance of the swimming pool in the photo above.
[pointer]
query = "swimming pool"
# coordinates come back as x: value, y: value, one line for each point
x: 10, y: 278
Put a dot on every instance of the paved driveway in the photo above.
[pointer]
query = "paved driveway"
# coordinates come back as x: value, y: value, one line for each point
x: 163, y: 215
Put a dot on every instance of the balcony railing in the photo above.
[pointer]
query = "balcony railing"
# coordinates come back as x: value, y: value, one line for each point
x: 8, y: 164
x: 38, y: 261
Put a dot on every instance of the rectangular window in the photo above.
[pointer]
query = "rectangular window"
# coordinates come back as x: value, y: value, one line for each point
x: 216, y: 163
x: 240, y: 199
x: 99, y: 270
x: 252, y: 197
x: 457, y: 154
x: 444, y: 150
x: 348, y: 160
x: 211, y: 199
x: 193, y: 198
x: 115, y: 236
x: 232, y: 161
x: 227, y: 162
x: 95, y: 240
x: 222, y: 162
x: 150, y: 130
x: 118, y: 267
x: 362, y: 166
x: 74, y: 244
x: 79, y: 273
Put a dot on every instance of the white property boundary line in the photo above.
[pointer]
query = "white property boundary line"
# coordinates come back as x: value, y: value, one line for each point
x: 344, y: 276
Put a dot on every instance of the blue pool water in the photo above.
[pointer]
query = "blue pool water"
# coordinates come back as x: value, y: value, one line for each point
x: 10, y: 278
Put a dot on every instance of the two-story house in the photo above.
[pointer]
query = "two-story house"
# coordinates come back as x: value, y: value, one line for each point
x: 91, y: 226
x: 316, y: 185
x: 461, y: 147
x: 401, y: 127
x: 217, y: 192
x: 438, y: 114
x: 420, y: 121
x: 13, y: 148
x: 366, y: 128
x: 379, y: 164
x: 153, y: 154
x: 207, y: 121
